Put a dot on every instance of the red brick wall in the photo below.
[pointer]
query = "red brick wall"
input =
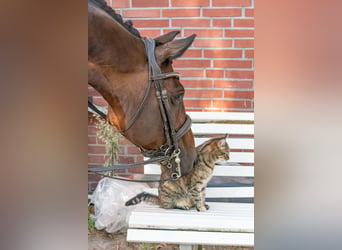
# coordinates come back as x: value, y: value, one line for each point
x: 217, y: 71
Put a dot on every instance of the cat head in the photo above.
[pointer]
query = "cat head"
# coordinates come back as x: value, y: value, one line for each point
x: 218, y: 146
x: 222, y: 148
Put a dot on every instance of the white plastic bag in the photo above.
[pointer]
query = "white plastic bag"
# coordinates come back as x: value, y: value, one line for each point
x: 109, y: 200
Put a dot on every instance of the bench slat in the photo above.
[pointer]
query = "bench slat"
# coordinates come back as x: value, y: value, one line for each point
x: 219, y: 170
x: 220, y: 192
x: 223, y: 116
x: 213, y: 128
x: 241, y: 143
x: 190, y: 237
x: 221, y: 217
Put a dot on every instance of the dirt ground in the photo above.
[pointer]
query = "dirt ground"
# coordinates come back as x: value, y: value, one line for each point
x: 101, y: 240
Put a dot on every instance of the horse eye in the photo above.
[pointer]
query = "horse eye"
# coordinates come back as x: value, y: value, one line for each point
x: 178, y: 98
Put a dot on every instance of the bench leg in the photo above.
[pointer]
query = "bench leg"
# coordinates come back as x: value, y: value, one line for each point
x: 187, y: 247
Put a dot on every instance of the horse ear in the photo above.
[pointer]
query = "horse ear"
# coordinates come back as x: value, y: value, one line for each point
x: 173, y: 49
x: 166, y: 38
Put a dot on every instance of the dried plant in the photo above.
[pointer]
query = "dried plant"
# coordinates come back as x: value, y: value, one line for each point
x: 110, y: 136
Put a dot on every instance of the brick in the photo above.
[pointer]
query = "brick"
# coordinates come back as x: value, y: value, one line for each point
x: 243, y: 23
x: 191, y: 63
x: 150, y: 33
x: 244, y: 43
x: 227, y: 104
x: 192, y: 53
x: 238, y: 33
x: 233, y: 64
x: 96, y: 158
x: 190, y: 3
x: 222, y: 53
x: 222, y: 12
x: 196, y: 83
x: 231, y: 3
x: 204, y: 32
x: 92, y: 130
x: 213, y: 43
x: 120, y: 4
x: 133, y: 150
x: 126, y: 159
x: 133, y: 13
x: 96, y: 150
x: 159, y: 23
x: 243, y: 74
x: 214, y: 73
x: 181, y: 13
x: 249, y: 12
x: 249, y: 53
x: 239, y: 94
x: 225, y: 23
x: 190, y: 73
x: 204, y: 93
x: 91, y: 139
x: 190, y: 23
x: 193, y: 109
x: 233, y: 84
x: 199, y: 103
x: 93, y: 177
x: 139, y: 169
x: 149, y: 3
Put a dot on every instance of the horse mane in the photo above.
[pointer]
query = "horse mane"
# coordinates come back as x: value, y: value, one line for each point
x: 128, y: 24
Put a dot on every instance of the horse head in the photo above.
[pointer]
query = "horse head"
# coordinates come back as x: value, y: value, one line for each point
x: 119, y: 69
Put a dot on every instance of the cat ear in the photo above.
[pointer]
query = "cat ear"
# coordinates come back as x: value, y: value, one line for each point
x: 222, y: 143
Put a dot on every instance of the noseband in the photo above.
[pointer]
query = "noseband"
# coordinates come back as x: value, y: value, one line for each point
x: 170, y: 150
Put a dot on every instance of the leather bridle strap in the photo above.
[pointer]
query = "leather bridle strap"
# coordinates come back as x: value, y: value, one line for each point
x: 95, y: 109
x: 185, y: 127
x: 137, y: 113
x: 154, y: 70
x: 156, y: 77
x: 126, y: 165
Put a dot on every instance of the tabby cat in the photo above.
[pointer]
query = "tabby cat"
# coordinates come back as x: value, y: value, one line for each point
x: 189, y: 190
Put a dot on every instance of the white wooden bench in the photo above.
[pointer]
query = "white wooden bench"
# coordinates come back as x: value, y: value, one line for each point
x: 229, y: 221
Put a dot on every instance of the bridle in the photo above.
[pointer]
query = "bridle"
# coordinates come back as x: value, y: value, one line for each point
x: 168, y: 153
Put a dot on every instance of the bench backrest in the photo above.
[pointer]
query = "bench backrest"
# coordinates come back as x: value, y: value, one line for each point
x: 240, y: 128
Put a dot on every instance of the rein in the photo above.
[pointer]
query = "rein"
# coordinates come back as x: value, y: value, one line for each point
x: 168, y: 153
x: 130, y: 180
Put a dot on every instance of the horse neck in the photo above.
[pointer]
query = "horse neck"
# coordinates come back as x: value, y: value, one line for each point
x: 116, y: 62
x: 111, y: 45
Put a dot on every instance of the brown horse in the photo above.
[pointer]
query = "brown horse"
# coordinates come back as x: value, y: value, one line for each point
x: 147, y: 109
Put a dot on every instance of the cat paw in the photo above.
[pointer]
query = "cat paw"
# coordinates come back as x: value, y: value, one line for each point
x: 206, y: 206
x: 183, y: 207
x: 201, y: 208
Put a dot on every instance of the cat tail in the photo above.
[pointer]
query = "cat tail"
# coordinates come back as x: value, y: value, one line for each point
x: 146, y: 197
